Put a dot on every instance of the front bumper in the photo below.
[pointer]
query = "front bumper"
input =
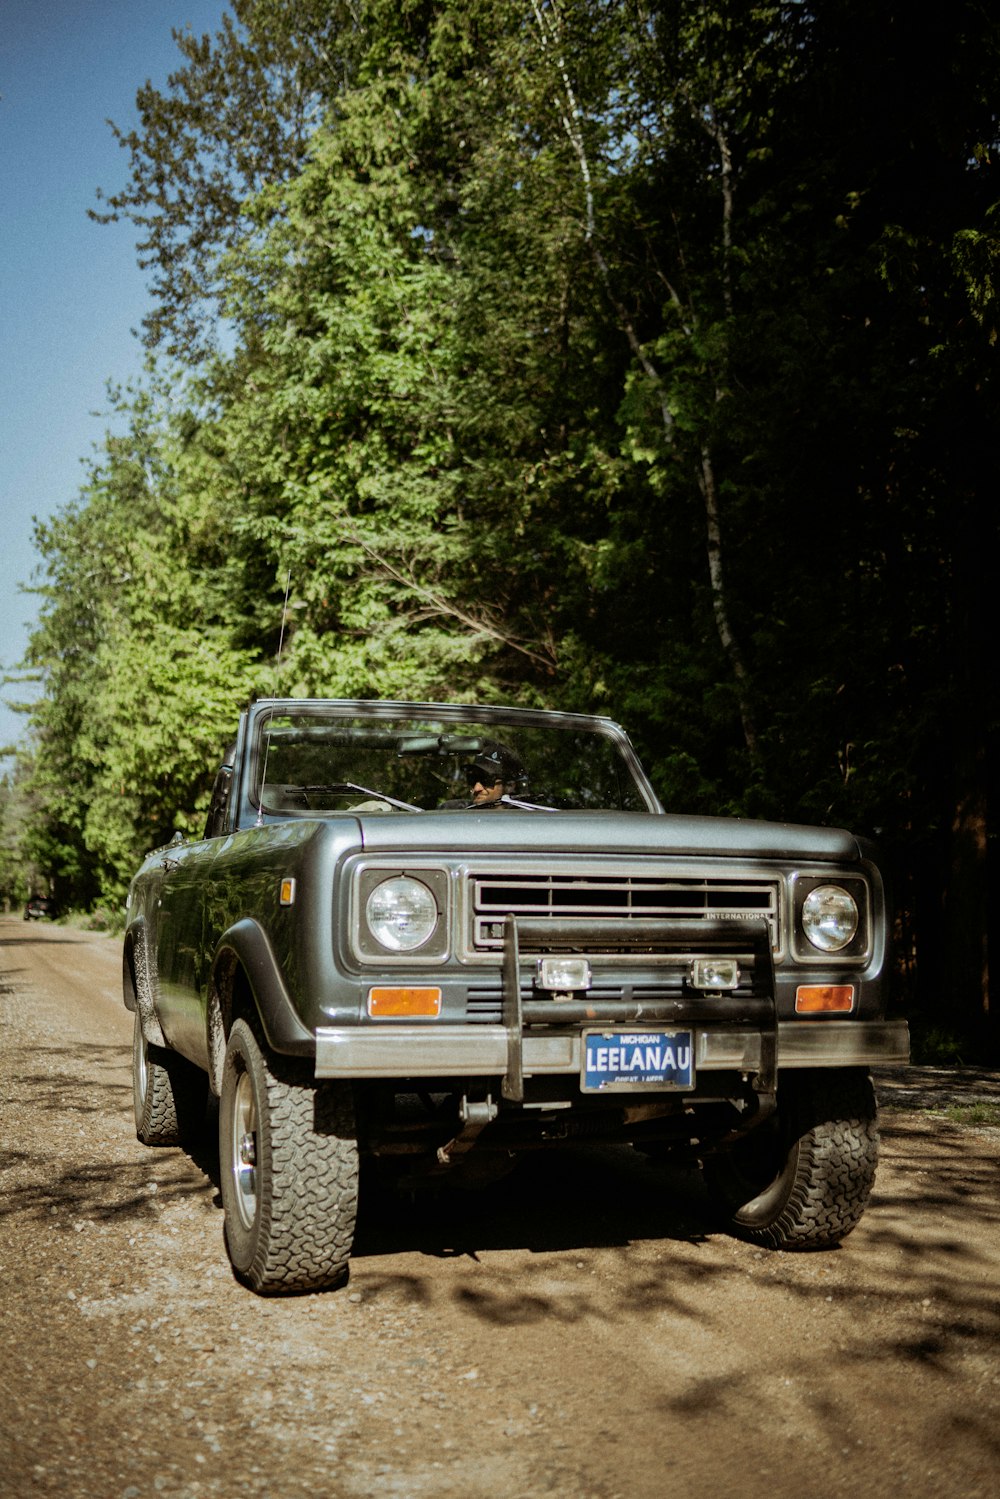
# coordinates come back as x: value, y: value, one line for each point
x: 404, y: 1051
x: 543, y: 1037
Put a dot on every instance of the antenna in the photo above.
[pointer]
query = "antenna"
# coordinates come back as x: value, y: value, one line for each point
x: 277, y: 664
x: 284, y: 616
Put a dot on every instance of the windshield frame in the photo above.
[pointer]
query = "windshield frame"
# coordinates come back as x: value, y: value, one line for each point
x: 493, y: 720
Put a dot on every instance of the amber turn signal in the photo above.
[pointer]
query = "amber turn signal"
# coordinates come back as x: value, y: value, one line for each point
x: 386, y: 1001
x: 824, y: 999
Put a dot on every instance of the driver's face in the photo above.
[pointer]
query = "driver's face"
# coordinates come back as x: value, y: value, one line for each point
x: 482, y: 793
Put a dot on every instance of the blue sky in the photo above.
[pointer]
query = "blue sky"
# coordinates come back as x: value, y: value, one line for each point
x: 70, y: 290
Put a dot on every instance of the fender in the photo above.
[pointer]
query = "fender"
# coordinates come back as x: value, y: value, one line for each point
x: 247, y: 943
x: 137, y: 983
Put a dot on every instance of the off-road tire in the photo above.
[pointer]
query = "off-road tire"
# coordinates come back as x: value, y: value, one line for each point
x: 168, y: 1094
x: 288, y: 1162
x: 802, y: 1180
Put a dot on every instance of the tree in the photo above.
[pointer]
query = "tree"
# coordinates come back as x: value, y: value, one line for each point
x: 632, y: 356
x: 128, y: 638
x: 235, y: 117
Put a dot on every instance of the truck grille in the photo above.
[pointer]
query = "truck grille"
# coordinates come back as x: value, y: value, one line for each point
x: 588, y: 897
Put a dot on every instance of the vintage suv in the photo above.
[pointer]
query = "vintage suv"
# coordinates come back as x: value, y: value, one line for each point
x: 434, y: 936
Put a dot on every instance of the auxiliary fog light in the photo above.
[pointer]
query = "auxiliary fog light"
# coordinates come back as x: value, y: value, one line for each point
x: 715, y: 974
x: 563, y: 973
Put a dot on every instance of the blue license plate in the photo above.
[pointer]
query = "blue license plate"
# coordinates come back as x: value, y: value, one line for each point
x: 629, y: 1060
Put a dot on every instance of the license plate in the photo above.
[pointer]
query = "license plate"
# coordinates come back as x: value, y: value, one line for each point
x: 623, y: 1061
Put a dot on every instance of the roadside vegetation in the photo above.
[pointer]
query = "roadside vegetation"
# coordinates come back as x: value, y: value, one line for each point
x: 617, y: 356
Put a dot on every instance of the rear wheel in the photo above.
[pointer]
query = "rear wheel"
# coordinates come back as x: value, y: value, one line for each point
x: 288, y: 1160
x: 168, y: 1093
x: 802, y: 1179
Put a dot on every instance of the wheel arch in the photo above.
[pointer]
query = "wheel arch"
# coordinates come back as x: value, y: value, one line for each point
x: 246, y: 983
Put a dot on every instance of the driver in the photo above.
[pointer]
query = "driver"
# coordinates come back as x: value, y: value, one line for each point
x: 494, y: 773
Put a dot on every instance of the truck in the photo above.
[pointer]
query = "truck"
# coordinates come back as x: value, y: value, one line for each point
x: 432, y: 937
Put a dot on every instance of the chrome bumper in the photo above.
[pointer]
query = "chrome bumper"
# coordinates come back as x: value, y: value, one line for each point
x: 389, y: 1050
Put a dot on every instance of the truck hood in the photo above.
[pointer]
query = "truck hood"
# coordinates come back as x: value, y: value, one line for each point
x: 506, y: 830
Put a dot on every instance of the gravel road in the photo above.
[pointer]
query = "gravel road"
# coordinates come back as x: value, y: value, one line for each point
x: 578, y: 1331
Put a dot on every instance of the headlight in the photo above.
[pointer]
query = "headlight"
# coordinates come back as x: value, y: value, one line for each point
x: 401, y: 914
x: 830, y: 917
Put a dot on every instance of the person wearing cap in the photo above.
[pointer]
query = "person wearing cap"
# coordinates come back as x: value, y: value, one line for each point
x: 494, y: 773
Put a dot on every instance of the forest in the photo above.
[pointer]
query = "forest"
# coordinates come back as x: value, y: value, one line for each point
x: 623, y: 356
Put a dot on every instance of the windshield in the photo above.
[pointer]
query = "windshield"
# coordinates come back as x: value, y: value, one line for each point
x: 310, y: 761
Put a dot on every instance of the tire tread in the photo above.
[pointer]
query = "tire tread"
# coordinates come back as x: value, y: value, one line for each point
x: 307, y: 1177
x: 832, y: 1160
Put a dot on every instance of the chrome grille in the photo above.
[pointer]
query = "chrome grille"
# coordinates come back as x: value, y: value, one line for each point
x: 588, y: 897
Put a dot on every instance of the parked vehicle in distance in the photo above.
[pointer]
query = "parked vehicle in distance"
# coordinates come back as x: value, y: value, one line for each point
x: 437, y: 936
x: 39, y: 907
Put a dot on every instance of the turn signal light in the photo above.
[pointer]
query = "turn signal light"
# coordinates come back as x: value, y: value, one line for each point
x: 824, y: 999
x: 386, y: 1001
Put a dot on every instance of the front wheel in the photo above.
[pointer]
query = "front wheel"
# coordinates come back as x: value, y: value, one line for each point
x: 288, y: 1160
x: 802, y: 1179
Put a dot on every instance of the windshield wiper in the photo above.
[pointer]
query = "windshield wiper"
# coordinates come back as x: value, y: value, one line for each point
x: 511, y: 801
x: 333, y: 788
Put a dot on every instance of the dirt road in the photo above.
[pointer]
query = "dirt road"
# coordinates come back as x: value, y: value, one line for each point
x: 577, y: 1331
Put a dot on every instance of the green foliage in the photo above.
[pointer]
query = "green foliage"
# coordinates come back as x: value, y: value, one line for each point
x: 142, y: 683
x: 621, y: 356
x: 19, y: 876
x: 935, y: 1045
x: 981, y: 1115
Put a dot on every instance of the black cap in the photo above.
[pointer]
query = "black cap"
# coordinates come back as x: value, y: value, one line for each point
x: 494, y: 763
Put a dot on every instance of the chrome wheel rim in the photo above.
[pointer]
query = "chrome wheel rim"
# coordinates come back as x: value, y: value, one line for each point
x: 140, y: 1067
x: 243, y: 1150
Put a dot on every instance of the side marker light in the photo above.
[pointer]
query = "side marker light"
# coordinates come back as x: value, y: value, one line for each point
x: 386, y: 1001
x: 824, y: 999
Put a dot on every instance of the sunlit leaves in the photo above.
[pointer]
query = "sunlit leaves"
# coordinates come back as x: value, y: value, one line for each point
x: 502, y: 281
